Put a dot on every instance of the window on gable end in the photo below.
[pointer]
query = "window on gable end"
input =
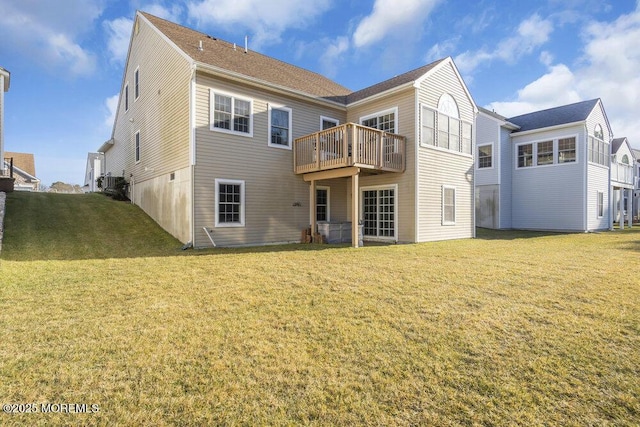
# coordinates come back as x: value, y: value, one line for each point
x: 136, y: 84
x: 280, y: 123
x: 126, y: 97
x: 231, y: 114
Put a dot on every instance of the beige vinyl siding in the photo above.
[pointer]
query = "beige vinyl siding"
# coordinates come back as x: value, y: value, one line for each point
x: 339, y: 198
x: 276, y: 200
x: 406, y: 125
x: 438, y: 168
x: 161, y: 115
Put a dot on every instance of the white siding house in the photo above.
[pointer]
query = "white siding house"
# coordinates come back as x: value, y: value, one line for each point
x: 623, y: 182
x: 222, y: 144
x: 553, y: 169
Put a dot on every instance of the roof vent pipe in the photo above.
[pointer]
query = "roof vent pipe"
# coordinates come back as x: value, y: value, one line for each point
x: 246, y: 44
x: 234, y: 46
x: 200, y: 46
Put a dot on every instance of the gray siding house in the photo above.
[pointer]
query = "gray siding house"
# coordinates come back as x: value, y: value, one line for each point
x: 546, y: 170
x: 223, y: 145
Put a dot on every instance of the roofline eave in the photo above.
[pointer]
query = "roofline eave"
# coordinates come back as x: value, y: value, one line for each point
x: 548, y: 128
x: 211, y: 69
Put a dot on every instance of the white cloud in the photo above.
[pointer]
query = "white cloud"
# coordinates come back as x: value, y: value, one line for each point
x: 111, y: 105
x: 532, y: 33
x: 542, y: 93
x: 333, y: 51
x: 119, y: 34
x: 265, y: 21
x: 171, y: 14
x: 442, y: 50
x: 608, y: 69
x: 391, y: 17
x: 49, y: 34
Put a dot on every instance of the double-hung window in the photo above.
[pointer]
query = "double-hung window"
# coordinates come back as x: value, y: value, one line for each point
x: 525, y: 155
x: 448, y: 205
x: 136, y: 84
x: 485, y: 156
x: 230, y: 204
x: 443, y: 128
x: 322, y: 204
x: 232, y: 114
x: 600, y: 204
x: 137, y: 146
x: 567, y: 150
x: 545, y: 153
x: 280, y: 122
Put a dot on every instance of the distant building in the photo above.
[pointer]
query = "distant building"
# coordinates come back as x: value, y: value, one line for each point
x: 93, y: 172
x: 24, y: 170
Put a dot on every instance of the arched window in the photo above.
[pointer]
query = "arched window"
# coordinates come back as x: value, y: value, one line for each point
x: 447, y: 105
x: 625, y: 159
x: 598, y: 132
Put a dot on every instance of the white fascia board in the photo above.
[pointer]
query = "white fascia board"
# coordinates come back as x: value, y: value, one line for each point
x: 550, y: 128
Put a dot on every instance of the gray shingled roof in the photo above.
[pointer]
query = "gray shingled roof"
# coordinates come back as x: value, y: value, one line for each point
x: 393, y: 82
x: 221, y: 54
x: 616, y: 143
x: 555, y: 116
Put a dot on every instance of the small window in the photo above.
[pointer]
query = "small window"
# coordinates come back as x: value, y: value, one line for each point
x: 567, y: 150
x: 172, y: 176
x: 136, y: 84
x: 137, y: 146
x: 600, y: 204
x: 322, y: 204
x: 126, y: 97
x: 328, y: 123
x: 231, y: 114
x: 384, y: 120
x: 280, y: 127
x: 525, y: 155
x: 625, y: 159
x: 229, y: 203
x: 448, y: 205
x: 545, y: 153
x: 485, y: 156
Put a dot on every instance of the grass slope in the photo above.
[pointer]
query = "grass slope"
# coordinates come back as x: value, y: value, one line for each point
x: 507, y: 329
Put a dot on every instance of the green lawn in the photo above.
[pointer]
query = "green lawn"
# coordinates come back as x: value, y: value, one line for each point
x: 99, y: 306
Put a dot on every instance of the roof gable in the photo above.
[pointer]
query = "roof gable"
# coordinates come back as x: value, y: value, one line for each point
x: 572, y: 113
x: 24, y: 161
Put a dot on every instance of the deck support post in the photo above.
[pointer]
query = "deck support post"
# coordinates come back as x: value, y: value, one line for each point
x: 621, y: 208
x: 312, y: 208
x: 355, y: 206
x: 630, y: 207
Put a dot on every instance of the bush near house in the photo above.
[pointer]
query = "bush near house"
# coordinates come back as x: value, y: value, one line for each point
x: 99, y: 306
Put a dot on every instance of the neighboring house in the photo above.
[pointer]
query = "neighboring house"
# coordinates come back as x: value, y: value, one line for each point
x: 546, y: 170
x: 636, y: 193
x: 623, y: 181
x: 5, y: 78
x: 217, y: 140
x: 24, y: 171
x: 93, y: 171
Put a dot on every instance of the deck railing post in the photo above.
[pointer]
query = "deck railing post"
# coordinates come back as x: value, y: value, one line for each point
x: 317, y: 150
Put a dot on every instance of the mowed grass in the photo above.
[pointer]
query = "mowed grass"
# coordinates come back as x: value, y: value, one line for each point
x: 507, y: 329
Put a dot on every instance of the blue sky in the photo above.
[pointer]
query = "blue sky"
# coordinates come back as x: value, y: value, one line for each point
x: 66, y: 57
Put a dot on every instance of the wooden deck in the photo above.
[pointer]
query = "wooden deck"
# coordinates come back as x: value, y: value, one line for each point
x: 349, y: 145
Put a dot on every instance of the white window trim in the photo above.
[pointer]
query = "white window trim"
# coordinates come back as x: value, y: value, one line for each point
x: 445, y: 150
x: 323, y: 187
x: 598, y: 193
x: 393, y: 110
x: 126, y: 97
x: 136, y: 87
x: 328, y: 119
x: 137, y: 147
x: 556, y: 152
x: 233, y: 96
x: 271, y: 107
x: 477, y: 162
x: 219, y: 181
x: 393, y: 187
x: 455, y: 204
